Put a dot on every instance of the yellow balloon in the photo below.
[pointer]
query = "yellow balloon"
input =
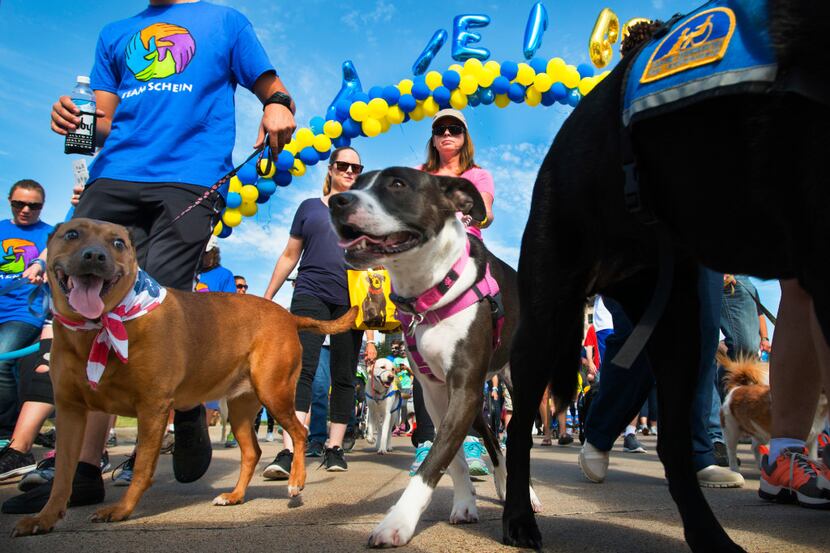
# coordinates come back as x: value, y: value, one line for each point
x: 469, y: 84
x: 456, y: 67
x: 291, y: 147
x: 542, y: 82
x: 502, y: 100
x: 384, y: 125
x: 333, y: 129
x: 405, y: 86
x: 430, y: 106
x: 395, y: 115
x: 585, y: 85
x: 322, y: 143
x: 232, y: 217
x: 533, y: 97
x: 525, y: 75
x: 249, y: 193
x: 235, y: 185
x: 248, y: 209
x: 217, y: 230
x: 571, y: 77
x: 359, y: 111
x: 433, y: 80
x: 304, y: 138
x: 486, y: 77
x: 299, y: 168
x: 473, y: 66
x: 371, y: 127
x: 556, y: 64
x: 418, y: 113
x: 605, y: 34
x: 493, y: 66
x: 378, y: 108
x: 458, y: 99
x: 267, y: 168
x: 602, y: 75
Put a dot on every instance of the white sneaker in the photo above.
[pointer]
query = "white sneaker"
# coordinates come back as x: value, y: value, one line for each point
x: 714, y: 476
x: 593, y: 462
x: 269, y: 437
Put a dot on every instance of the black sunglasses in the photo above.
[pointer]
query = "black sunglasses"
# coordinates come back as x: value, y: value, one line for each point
x: 241, y: 286
x: 455, y: 130
x: 343, y: 166
x: 34, y: 206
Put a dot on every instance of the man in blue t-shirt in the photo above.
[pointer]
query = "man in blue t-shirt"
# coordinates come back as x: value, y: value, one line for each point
x: 22, y: 238
x: 164, y: 83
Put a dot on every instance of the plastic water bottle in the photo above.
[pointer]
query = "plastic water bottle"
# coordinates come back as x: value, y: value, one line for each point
x: 765, y: 356
x: 82, y: 139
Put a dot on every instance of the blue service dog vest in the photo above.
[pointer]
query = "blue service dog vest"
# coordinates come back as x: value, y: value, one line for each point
x: 721, y: 47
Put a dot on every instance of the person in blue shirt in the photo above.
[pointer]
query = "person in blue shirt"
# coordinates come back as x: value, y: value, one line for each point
x: 164, y: 83
x: 22, y: 239
x: 214, y: 277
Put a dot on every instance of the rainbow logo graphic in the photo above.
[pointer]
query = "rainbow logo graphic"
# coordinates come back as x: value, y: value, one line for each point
x: 16, y: 255
x: 160, y: 50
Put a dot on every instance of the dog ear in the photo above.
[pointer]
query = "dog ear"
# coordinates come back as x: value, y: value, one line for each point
x: 464, y: 196
x: 54, y: 232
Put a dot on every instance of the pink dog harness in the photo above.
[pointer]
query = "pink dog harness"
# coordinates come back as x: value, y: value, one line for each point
x: 143, y: 297
x: 418, y: 310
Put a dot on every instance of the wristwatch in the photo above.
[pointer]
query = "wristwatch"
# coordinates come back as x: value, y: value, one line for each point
x: 280, y: 98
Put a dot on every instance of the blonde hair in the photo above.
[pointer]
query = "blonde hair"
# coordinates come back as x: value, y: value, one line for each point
x: 466, y: 160
x: 333, y: 158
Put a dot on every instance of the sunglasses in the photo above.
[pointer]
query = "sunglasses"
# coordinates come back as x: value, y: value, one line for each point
x: 344, y: 166
x: 34, y: 206
x: 455, y: 130
x: 241, y: 286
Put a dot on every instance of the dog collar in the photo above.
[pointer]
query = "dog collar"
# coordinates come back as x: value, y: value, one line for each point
x: 425, y: 301
x: 145, y: 295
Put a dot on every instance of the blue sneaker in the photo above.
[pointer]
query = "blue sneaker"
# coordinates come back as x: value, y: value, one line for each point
x: 473, y: 452
x: 420, y: 454
x: 122, y: 475
x: 43, y: 473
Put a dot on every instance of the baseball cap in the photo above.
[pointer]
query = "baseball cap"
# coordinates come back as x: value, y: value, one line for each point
x: 449, y: 112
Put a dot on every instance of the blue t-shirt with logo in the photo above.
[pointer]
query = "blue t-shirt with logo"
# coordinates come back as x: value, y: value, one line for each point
x: 19, y: 245
x: 218, y: 279
x: 174, y: 69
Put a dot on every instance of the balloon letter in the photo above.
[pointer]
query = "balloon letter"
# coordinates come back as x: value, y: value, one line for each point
x: 606, y: 31
x: 462, y: 37
x: 433, y: 46
x: 537, y: 24
x: 351, y: 86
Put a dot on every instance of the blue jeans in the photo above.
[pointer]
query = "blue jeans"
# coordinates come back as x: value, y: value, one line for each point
x: 14, y: 335
x: 739, y: 318
x: 317, y: 431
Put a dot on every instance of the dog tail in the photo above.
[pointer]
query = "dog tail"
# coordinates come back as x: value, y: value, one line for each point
x: 336, y: 326
x: 745, y: 371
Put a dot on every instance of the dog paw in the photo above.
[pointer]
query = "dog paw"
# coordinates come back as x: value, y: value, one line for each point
x: 500, y: 480
x: 464, y: 512
x: 535, y: 502
x: 113, y: 513
x: 395, y: 530
x: 521, y: 531
x: 30, y: 526
x: 228, y: 499
x: 294, y: 491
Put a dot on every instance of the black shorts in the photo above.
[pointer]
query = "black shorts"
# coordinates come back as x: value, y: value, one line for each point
x: 172, y: 256
x: 33, y: 385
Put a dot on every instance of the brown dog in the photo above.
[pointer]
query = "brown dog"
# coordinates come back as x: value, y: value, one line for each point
x: 177, y: 359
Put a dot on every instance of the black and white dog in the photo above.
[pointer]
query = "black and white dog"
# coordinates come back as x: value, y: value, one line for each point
x: 459, y: 305
x: 383, y: 399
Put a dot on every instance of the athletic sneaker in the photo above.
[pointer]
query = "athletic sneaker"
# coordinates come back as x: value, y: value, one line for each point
x: 192, y: 451
x: 123, y: 473
x: 280, y: 469
x: 315, y: 449
x: 269, y: 436
x: 473, y: 454
x: 593, y: 463
x: 715, y: 476
x: 794, y: 478
x: 104, y: 463
x: 565, y: 439
x: 632, y: 445
x: 112, y: 441
x: 46, y: 439
x: 43, y: 473
x: 14, y: 463
x: 167, y: 443
x: 230, y: 441
x: 87, y: 489
x: 420, y: 454
x: 348, y: 440
x: 335, y: 459
x: 721, y: 454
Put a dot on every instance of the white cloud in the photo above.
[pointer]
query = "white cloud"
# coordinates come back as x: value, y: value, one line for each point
x: 359, y: 20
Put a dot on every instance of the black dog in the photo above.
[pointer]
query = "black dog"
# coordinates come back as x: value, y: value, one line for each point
x: 710, y: 172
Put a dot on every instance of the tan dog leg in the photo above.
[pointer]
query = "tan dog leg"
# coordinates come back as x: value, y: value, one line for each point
x: 241, y: 412
x: 72, y: 422
x: 152, y: 421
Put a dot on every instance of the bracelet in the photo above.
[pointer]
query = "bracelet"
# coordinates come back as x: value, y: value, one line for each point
x: 764, y: 338
x: 483, y: 222
x: 40, y: 262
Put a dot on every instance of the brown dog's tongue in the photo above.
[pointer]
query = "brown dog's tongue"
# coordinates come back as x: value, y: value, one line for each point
x: 85, y: 296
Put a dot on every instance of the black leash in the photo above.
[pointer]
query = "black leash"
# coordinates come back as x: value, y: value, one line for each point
x: 757, y: 301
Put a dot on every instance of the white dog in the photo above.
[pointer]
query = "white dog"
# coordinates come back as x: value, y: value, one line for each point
x: 383, y: 400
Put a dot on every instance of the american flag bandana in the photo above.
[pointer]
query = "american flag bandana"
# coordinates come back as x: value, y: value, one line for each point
x: 145, y: 296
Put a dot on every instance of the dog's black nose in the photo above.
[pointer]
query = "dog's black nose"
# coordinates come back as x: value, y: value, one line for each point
x: 341, y: 202
x: 94, y: 255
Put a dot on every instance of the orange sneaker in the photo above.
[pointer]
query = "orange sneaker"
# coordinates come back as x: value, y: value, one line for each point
x: 794, y: 478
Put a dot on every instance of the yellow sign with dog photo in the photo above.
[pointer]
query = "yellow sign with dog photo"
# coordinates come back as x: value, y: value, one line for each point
x: 369, y: 291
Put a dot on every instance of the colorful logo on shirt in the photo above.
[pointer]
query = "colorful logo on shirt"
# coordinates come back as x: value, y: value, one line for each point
x: 16, y: 255
x: 160, y: 50
x: 202, y: 287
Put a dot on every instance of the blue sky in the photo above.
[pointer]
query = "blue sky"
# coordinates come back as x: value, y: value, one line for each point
x: 45, y: 44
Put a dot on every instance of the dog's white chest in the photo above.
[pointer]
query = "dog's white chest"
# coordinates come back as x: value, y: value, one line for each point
x: 438, y: 343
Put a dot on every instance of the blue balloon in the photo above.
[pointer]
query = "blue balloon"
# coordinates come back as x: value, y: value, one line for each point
x: 509, y: 70
x: 559, y: 91
x: 539, y: 65
x: 420, y: 91
x: 342, y: 109
x: 309, y: 156
x: 392, y: 95
x: 349, y: 87
x: 585, y: 70
x: 375, y: 92
x: 263, y: 198
x: 537, y: 24
x: 282, y: 178
x: 487, y: 96
x: 233, y: 200
x: 247, y: 173
x: 342, y: 141
x: 462, y: 37
x: 548, y: 98
x: 360, y: 97
x: 500, y: 85
x: 450, y: 79
x: 285, y: 161
x: 324, y: 155
x: 407, y: 102
x: 225, y: 232
x: 574, y: 97
x: 433, y: 47
x: 316, y: 124
x: 441, y: 95
x: 266, y: 186
x: 351, y: 128
x: 473, y: 99
x: 516, y: 93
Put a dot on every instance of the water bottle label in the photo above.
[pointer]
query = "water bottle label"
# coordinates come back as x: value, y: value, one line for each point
x: 82, y: 139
